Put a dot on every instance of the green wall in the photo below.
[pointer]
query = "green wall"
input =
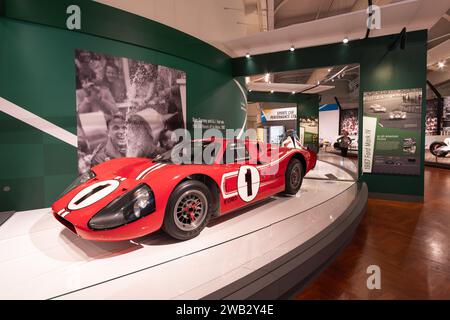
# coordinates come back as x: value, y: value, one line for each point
x: 381, y: 69
x: 37, y: 72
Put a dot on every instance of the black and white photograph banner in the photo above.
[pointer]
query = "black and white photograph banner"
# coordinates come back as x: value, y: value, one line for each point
x: 125, y: 108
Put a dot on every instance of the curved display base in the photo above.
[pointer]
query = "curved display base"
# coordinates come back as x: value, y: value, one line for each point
x: 260, y: 252
x: 286, y: 276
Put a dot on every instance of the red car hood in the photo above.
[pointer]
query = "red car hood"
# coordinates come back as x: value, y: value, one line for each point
x: 119, y: 175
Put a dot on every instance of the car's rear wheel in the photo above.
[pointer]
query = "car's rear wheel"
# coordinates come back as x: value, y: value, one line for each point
x: 188, y: 210
x: 293, y: 176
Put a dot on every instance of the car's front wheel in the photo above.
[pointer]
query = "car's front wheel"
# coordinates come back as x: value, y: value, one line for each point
x: 188, y: 210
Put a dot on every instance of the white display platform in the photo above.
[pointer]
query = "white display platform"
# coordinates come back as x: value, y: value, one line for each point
x: 40, y: 259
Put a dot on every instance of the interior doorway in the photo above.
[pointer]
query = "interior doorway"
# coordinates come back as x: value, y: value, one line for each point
x: 331, y: 128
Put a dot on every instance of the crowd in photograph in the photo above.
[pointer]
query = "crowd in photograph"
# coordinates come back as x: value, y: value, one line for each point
x: 125, y: 107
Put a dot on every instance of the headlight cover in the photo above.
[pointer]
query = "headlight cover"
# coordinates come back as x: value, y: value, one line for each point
x: 133, y: 205
x: 88, y: 175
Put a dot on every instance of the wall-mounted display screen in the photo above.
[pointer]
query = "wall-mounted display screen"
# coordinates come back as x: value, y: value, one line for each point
x: 125, y: 108
x: 392, y: 131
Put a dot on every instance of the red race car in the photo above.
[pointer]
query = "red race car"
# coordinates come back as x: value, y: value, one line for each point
x: 127, y: 198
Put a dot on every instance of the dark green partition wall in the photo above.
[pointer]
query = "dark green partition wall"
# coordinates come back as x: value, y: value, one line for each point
x: 37, y: 72
x: 381, y: 69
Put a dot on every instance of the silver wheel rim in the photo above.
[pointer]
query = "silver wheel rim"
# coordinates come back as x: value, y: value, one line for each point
x: 295, y: 176
x: 190, y: 210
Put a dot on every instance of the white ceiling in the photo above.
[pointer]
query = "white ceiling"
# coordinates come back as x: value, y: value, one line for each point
x: 238, y: 27
x: 213, y: 21
x: 289, y: 12
x: 412, y: 14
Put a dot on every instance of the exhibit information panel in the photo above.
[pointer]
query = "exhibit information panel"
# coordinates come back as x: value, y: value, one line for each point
x: 392, y: 131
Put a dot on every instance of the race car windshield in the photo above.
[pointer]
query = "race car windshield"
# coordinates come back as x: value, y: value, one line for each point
x: 192, y: 152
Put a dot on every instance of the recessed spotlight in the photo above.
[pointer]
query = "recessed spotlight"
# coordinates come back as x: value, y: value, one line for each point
x: 271, y: 91
x: 332, y: 80
x: 293, y: 92
x: 318, y: 82
x: 441, y: 64
x: 247, y: 55
x: 329, y: 70
x: 292, y: 48
x: 345, y: 40
x: 267, y: 77
x: 249, y: 90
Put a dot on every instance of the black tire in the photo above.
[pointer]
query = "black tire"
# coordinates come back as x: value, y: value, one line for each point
x: 179, y: 224
x: 293, y: 176
x: 434, y: 146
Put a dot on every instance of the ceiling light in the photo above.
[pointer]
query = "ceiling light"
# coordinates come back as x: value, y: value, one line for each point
x: 267, y: 77
x: 293, y: 92
x: 249, y: 90
x: 332, y: 80
x: 329, y: 70
x: 292, y: 48
x: 441, y: 64
x: 345, y: 40
x: 318, y: 82
x: 247, y: 55
x: 271, y: 91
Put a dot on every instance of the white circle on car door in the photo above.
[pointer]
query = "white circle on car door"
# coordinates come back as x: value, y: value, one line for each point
x: 248, y: 183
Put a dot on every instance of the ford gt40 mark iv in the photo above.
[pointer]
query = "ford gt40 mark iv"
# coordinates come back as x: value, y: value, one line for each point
x: 127, y: 198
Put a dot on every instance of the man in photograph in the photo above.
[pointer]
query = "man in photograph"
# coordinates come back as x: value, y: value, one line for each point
x: 116, y: 142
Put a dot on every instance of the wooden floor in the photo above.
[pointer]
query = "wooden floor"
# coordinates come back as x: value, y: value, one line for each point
x: 410, y: 242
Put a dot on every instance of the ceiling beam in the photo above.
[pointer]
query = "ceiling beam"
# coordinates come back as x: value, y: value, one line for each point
x: 438, y: 53
x: 317, y: 75
x: 270, y: 14
x: 282, y: 3
x: 438, y: 77
x: 362, y: 4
